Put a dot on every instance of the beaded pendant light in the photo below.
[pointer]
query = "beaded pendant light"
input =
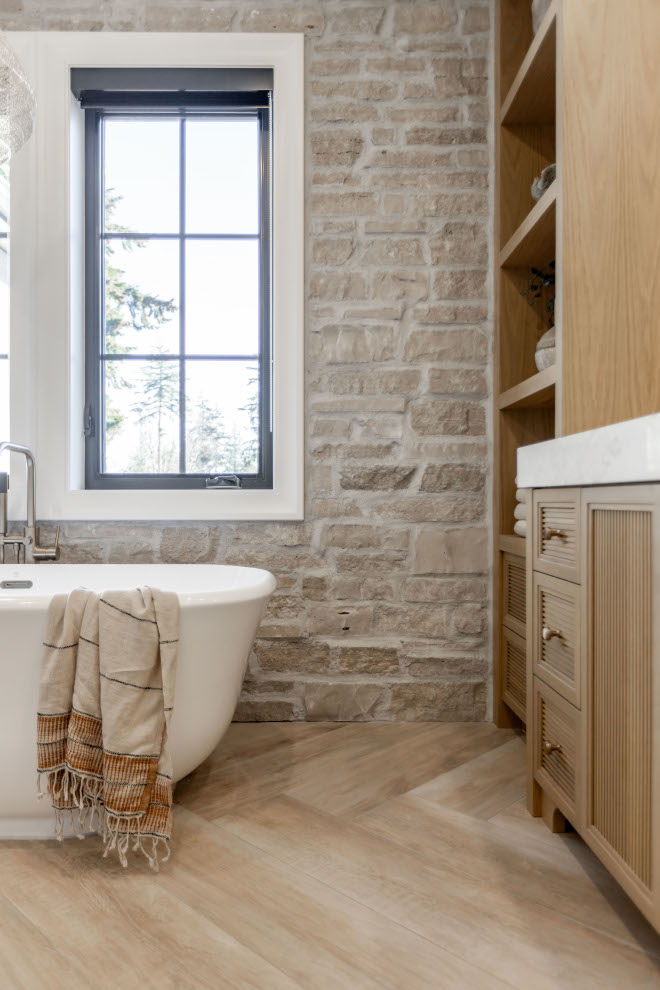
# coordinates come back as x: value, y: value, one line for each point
x: 17, y: 104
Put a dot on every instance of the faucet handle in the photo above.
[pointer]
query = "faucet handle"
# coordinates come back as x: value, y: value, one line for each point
x: 48, y: 553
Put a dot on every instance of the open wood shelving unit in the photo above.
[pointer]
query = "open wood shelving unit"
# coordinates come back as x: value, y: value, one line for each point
x: 525, y: 408
x: 583, y: 92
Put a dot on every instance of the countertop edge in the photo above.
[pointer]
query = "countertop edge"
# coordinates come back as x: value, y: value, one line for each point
x: 621, y: 453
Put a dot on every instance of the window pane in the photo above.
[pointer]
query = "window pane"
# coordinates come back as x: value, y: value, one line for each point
x: 4, y: 410
x: 222, y: 297
x: 222, y: 176
x: 222, y: 417
x: 142, y: 175
x: 141, y: 296
x: 4, y: 199
x: 142, y: 417
x: 4, y: 296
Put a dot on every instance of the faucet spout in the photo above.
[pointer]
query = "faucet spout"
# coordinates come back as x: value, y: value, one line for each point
x: 30, y: 538
x: 18, y: 448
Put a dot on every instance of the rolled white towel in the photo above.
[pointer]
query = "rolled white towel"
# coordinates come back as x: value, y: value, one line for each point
x: 521, y: 494
x: 520, y: 511
x: 520, y: 529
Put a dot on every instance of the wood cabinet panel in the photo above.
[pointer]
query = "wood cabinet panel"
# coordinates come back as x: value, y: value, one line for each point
x: 610, y: 150
x: 514, y: 593
x: 622, y: 673
x: 514, y: 677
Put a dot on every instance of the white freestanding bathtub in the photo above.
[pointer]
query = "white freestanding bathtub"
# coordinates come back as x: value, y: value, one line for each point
x: 221, y: 608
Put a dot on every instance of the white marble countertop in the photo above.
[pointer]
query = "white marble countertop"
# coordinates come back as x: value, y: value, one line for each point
x: 616, y: 454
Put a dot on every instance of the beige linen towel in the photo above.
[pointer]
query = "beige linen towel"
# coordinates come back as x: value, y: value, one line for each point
x: 106, y: 697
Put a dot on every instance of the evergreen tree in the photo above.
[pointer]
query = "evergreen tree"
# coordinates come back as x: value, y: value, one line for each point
x: 159, y: 396
x: 249, y: 453
x: 206, y: 439
x: 127, y: 307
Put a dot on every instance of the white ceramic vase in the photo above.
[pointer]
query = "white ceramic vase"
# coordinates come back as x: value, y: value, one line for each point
x: 546, y: 350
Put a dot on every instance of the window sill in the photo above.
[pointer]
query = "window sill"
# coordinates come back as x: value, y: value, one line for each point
x: 220, y: 505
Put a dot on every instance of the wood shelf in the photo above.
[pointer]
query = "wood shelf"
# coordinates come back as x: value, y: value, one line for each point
x: 531, y: 98
x: 512, y: 544
x: 537, y: 392
x: 534, y: 241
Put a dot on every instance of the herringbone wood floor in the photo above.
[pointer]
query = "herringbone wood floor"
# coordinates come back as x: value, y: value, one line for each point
x: 332, y: 856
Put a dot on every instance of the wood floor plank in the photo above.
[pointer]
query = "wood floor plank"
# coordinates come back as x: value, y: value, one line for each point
x: 218, y: 785
x: 26, y: 955
x: 121, y: 922
x: 481, y: 786
x: 364, y: 778
x: 244, y: 740
x: 316, y: 934
x: 516, y: 819
x: 213, y: 792
x: 562, y: 875
x: 231, y: 905
x: 518, y: 941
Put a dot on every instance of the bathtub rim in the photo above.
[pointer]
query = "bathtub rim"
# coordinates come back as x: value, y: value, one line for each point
x: 261, y: 587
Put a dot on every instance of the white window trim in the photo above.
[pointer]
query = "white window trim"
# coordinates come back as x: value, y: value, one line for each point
x: 46, y: 276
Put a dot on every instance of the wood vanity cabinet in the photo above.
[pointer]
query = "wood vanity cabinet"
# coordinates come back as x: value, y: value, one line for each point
x: 593, y: 675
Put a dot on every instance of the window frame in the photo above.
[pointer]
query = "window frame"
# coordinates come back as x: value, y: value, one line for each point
x: 47, y: 271
x: 98, y: 106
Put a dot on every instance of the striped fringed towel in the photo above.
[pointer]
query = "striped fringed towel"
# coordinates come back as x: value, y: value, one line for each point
x: 105, y: 705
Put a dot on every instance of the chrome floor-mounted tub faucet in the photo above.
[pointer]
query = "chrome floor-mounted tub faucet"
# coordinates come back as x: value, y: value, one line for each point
x: 26, y: 547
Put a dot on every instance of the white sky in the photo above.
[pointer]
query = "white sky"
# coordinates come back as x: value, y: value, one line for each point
x: 222, y: 172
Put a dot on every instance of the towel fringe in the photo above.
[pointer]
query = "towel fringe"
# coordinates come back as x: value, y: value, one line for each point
x: 89, y: 816
x: 117, y: 834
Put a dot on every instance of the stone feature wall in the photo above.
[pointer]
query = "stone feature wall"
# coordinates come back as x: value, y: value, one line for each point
x: 382, y: 606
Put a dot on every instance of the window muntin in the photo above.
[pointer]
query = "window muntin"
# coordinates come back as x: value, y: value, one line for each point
x: 178, y: 313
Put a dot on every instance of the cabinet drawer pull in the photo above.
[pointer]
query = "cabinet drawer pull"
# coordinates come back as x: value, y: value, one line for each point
x: 549, y: 533
x: 547, y: 633
x: 550, y: 748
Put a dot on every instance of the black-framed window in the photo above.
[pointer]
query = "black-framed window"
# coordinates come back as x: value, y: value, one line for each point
x: 178, y: 296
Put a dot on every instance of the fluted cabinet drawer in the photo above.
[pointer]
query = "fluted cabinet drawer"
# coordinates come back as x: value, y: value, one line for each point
x: 556, y: 533
x: 556, y: 636
x: 557, y: 750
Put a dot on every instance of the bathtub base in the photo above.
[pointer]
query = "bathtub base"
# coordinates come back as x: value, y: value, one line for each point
x: 32, y: 828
